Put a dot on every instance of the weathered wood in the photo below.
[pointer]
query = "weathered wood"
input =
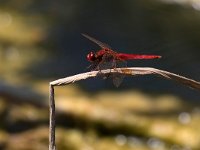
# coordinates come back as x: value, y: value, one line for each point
x: 52, y: 120
x: 130, y: 71
x: 125, y: 71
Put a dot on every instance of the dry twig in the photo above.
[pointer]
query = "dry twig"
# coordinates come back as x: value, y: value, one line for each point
x: 125, y: 71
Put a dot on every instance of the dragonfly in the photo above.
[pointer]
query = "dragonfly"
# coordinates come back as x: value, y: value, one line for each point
x: 107, y: 58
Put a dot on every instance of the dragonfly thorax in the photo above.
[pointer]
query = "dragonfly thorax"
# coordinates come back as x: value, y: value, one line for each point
x: 91, y: 56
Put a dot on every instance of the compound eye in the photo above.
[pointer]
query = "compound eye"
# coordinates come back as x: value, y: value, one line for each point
x: 91, y: 56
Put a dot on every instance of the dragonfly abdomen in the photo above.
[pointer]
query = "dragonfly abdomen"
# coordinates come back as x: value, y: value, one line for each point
x: 124, y: 56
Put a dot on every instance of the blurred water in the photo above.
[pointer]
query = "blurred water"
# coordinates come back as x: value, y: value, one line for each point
x: 144, y: 27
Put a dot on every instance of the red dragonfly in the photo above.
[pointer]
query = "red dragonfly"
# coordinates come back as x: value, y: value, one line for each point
x: 106, y: 58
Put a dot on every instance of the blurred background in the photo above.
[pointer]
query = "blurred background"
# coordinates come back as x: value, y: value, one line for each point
x: 41, y: 41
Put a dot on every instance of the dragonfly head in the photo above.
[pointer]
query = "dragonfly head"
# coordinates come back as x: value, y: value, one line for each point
x: 91, y: 56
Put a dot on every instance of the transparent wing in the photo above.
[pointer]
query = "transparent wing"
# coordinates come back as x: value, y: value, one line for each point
x: 108, y: 62
x: 117, y: 79
x: 101, y: 44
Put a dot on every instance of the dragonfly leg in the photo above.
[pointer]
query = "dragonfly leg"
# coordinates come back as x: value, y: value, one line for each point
x: 114, y: 64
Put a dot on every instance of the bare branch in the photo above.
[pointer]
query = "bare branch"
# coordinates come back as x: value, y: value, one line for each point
x: 52, y: 119
x: 125, y: 71
x: 129, y: 71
